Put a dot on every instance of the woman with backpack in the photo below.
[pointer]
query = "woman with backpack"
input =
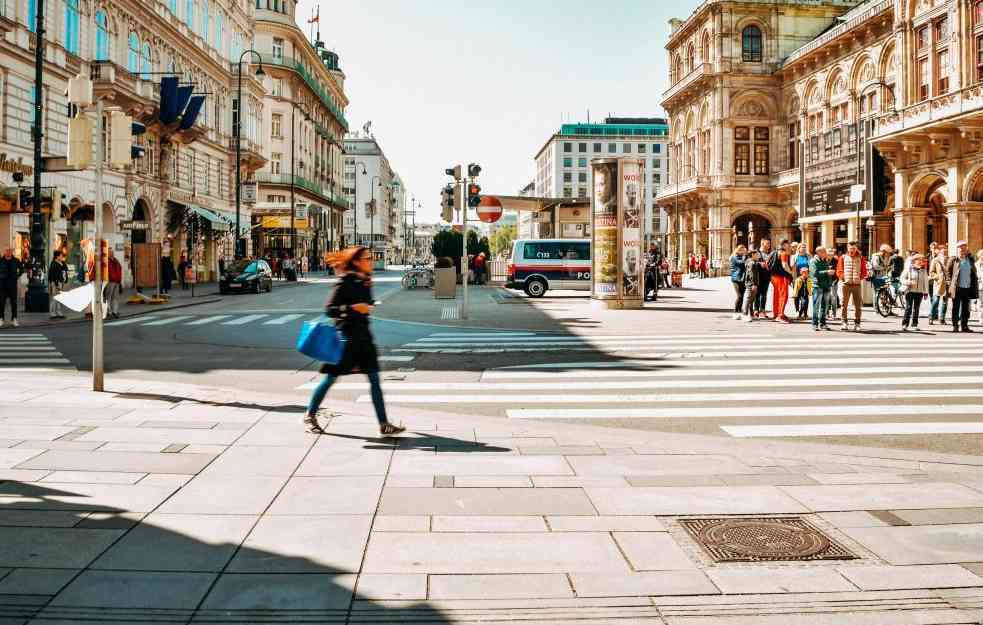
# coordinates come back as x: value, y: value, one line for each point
x: 350, y: 306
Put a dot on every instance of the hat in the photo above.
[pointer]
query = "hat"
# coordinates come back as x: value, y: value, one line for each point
x: 961, y: 243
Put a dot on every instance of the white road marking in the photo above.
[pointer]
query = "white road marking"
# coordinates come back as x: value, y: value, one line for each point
x: 13, y: 349
x: 207, y: 320
x: 740, y: 411
x: 736, y: 372
x: 241, y: 321
x: 279, y: 321
x: 396, y: 358
x: 483, y: 334
x: 33, y: 361
x: 21, y: 338
x: 136, y: 319
x: 852, y: 429
x: 668, y: 340
x: 668, y: 398
x: 168, y: 321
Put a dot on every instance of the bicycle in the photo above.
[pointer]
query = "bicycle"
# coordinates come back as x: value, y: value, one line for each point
x: 418, y: 276
x: 887, y: 297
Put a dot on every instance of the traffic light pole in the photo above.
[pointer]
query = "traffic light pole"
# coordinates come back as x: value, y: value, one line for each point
x: 97, y: 335
x: 37, y: 294
x: 464, y: 230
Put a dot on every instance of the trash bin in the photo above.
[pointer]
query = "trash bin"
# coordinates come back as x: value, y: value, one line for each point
x: 677, y: 279
x: 290, y: 274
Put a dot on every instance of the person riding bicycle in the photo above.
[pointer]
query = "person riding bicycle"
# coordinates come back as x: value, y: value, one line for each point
x: 882, y: 267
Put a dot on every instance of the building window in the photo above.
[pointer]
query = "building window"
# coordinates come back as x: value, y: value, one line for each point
x: 657, y: 148
x: 277, y: 87
x: 942, y: 63
x: 581, y: 147
x: 567, y: 192
x: 941, y: 29
x: 761, y: 153
x: 978, y: 13
x: 133, y: 57
x: 581, y: 162
x: 206, y: 21
x: 923, y: 84
x: 567, y: 147
x: 751, y: 44
x: 277, y: 48
x: 276, y: 125
x: 72, y: 26
x: 612, y: 148
x: 568, y: 162
x: 275, y: 160
x: 582, y: 177
x: 189, y: 14
x: 921, y: 38
x: 582, y: 192
x: 641, y: 148
x: 793, y: 143
x: 146, y: 61
x: 567, y: 177
x: 626, y: 148
x: 656, y: 178
x: 102, y: 36
x: 705, y: 149
x: 597, y: 148
x: 979, y: 58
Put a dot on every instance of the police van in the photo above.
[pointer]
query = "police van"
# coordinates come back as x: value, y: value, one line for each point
x: 538, y: 265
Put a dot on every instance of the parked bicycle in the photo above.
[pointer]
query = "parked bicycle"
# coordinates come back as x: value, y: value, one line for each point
x: 888, y: 297
x: 418, y: 276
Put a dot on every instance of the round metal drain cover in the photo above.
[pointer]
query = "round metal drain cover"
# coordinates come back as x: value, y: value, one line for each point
x: 763, y: 539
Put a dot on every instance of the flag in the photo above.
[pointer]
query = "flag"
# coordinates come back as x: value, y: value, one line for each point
x: 317, y: 16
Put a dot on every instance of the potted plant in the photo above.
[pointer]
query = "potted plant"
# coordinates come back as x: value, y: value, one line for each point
x: 445, y: 279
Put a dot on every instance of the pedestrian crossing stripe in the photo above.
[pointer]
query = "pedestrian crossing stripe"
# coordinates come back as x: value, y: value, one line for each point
x: 168, y: 321
x: 207, y: 320
x: 282, y: 320
x: 132, y: 320
x: 31, y: 352
x: 859, y: 410
x: 853, y: 429
x: 241, y: 321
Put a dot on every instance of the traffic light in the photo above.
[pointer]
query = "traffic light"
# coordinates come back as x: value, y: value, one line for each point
x: 454, y: 171
x: 448, y: 202
x: 474, y: 195
x: 80, y: 132
x: 25, y: 199
x: 473, y: 170
x: 122, y: 129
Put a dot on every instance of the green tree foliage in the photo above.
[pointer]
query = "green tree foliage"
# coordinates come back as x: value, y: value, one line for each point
x: 502, y: 239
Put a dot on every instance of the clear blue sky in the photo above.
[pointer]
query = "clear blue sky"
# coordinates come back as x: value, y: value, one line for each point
x: 446, y: 82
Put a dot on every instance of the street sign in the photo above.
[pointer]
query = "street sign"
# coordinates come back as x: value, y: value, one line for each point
x: 134, y: 225
x: 248, y: 195
x: 489, y: 209
x: 857, y: 193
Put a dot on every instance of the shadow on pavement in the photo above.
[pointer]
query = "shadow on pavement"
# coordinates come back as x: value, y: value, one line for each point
x: 422, y: 441
x: 66, y: 559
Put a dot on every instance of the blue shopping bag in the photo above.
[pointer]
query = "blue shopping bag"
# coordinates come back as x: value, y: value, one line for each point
x: 321, y: 341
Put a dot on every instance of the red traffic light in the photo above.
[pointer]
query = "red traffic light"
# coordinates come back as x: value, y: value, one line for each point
x: 473, y: 190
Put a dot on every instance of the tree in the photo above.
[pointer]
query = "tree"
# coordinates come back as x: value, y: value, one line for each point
x: 448, y: 243
x: 502, y: 239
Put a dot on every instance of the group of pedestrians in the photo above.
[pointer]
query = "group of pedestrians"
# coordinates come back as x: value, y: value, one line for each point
x: 832, y: 282
x: 698, y: 265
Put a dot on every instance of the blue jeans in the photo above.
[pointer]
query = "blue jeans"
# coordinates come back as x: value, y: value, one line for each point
x: 322, y: 389
x: 820, y: 305
x: 936, y: 299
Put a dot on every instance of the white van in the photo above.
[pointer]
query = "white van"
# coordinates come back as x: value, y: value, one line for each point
x: 538, y: 265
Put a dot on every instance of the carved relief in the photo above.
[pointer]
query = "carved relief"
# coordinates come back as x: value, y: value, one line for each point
x: 867, y: 72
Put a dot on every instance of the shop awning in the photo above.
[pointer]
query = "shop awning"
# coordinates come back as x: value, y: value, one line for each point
x: 204, y: 213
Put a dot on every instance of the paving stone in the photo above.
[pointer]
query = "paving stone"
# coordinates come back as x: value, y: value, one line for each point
x: 942, y: 516
x: 693, y: 500
x: 605, y: 524
x: 304, y: 544
x: 276, y: 435
x: 922, y: 544
x: 147, y: 447
x: 33, y: 432
x: 326, y: 461
x: 484, y: 501
x: 10, y: 458
x: 908, y: 577
x: 390, y: 587
x: 761, y: 580
x: 492, y: 587
x: 443, y: 481
x: 560, y: 450
x: 409, y: 481
x: 39, y: 518
x: 212, y: 450
x: 93, y: 477
x: 859, y: 478
x: 328, y: 495
x: 576, y: 481
x: 178, y: 542
x: 120, y: 461
x: 488, y: 524
x: 856, y: 518
x: 657, y: 465
x: 492, y: 481
x: 22, y: 475
x: 653, y: 551
x: 224, y: 495
x: 50, y: 547
x: 641, y: 584
x: 478, y: 464
x: 477, y: 553
x: 401, y: 524
x: 84, y: 497
x: 767, y: 479
x: 291, y: 593
x: 674, y: 480
x: 135, y: 590
x: 159, y: 435
x: 885, y: 496
x: 174, y: 448
x: 256, y: 461
x: 36, y: 581
x: 111, y: 521
x: 165, y: 479
x: 179, y: 425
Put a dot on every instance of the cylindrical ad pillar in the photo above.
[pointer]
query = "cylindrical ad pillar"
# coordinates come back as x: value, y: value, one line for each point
x: 617, y: 211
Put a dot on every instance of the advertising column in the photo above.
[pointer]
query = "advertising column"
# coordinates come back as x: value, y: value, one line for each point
x: 617, y: 211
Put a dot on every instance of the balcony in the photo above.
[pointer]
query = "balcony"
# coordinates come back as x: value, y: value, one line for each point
x: 938, y: 111
x: 687, y: 84
x: 692, y: 185
x: 251, y: 153
x: 786, y: 178
x: 294, y: 65
x: 114, y: 84
x: 305, y: 184
x: 858, y: 16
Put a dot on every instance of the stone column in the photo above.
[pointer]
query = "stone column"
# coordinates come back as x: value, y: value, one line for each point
x: 965, y: 224
x: 884, y: 233
x: 828, y: 234
x: 809, y: 236
x: 909, y: 228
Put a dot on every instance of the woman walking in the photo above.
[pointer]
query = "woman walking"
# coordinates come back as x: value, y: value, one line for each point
x: 914, y: 283
x: 350, y: 306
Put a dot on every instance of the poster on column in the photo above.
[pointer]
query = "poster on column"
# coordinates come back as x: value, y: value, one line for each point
x: 631, y: 228
x: 605, y: 228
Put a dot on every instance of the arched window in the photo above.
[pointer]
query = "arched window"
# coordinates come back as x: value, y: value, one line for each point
x: 32, y: 15
x: 206, y: 21
x: 172, y: 5
x: 218, y: 33
x: 133, y: 57
x: 102, y: 36
x: 690, y: 58
x: 72, y: 26
x: 146, y: 60
x: 751, y: 44
x: 705, y: 48
x: 189, y: 14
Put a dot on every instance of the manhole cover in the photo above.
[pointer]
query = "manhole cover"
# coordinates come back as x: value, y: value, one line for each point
x: 763, y: 540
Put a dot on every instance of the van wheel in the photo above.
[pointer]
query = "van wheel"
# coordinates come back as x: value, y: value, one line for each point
x: 536, y: 287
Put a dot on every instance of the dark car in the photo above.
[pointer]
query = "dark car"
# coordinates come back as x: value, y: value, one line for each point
x: 246, y: 275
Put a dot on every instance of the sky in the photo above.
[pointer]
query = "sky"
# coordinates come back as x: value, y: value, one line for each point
x: 490, y: 82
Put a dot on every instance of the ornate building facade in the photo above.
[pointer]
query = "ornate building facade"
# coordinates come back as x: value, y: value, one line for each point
x: 780, y: 111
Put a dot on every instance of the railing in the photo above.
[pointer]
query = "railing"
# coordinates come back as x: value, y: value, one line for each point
x: 853, y: 18
x: 302, y: 183
x: 786, y: 177
x: 698, y: 72
x: 290, y: 63
x: 935, y: 109
x: 684, y: 186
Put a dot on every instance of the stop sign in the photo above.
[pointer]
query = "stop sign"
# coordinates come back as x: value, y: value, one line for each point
x: 489, y: 209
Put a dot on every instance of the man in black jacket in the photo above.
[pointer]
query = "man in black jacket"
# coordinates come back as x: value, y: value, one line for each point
x: 767, y: 255
x: 57, y: 280
x: 10, y: 271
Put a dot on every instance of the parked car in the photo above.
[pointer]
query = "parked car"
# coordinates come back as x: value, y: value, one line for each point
x: 246, y: 275
x: 538, y: 265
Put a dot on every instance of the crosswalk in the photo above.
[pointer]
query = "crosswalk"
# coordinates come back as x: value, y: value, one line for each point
x: 754, y: 385
x: 198, y: 321
x: 30, y: 352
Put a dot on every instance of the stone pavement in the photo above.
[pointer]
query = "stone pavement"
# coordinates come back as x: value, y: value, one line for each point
x: 177, y: 504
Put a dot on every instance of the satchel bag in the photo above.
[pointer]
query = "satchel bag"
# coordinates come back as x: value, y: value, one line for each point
x: 321, y: 341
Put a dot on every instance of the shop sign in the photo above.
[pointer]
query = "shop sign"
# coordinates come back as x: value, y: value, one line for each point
x: 248, y: 193
x: 21, y: 220
x: 829, y: 193
x: 134, y: 225
x: 15, y: 166
x: 272, y: 222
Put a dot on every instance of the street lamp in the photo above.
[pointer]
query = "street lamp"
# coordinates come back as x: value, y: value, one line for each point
x: 372, y: 212
x: 355, y: 200
x: 294, y: 105
x: 240, y: 246
x: 36, y: 298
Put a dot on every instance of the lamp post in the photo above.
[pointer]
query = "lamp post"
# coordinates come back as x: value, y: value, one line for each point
x: 240, y: 247
x: 372, y: 212
x: 36, y: 299
x: 355, y: 200
x: 294, y: 105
